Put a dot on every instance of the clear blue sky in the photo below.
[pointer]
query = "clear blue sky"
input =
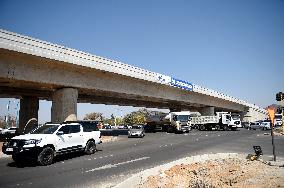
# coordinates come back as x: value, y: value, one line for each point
x: 235, y: 47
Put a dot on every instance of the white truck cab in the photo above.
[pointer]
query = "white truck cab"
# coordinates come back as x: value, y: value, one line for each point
x: 49, y: 140
x: 179, y: 121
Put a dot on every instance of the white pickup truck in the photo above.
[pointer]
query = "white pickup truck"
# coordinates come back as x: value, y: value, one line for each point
x: 49, y: 140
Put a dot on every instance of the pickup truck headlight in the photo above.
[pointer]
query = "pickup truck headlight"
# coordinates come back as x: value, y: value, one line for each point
x: 28, y: 142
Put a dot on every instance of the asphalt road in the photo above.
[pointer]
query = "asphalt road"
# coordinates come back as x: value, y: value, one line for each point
x: 116, y: 161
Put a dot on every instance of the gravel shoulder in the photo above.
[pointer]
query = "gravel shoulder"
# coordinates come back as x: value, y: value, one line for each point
x: 211, y: 170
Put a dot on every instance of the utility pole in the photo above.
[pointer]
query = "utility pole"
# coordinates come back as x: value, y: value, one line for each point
x: 280, y: 97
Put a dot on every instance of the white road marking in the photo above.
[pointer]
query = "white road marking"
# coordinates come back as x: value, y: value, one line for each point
x: 108, y: 166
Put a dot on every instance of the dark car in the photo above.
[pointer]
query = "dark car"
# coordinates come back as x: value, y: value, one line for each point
x: 246, y: 124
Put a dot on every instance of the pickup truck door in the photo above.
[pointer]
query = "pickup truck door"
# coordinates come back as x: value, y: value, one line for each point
x: 71, y: 140
x: 76, y: 136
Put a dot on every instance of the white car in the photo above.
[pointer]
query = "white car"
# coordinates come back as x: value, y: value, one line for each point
x: 265, y: 125
x: 50, y: 140
x: 11, y: 130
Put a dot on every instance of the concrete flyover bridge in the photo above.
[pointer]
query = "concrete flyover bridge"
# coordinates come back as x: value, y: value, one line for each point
x: 33, y: 69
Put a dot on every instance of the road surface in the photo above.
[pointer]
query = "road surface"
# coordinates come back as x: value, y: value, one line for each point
x: 116, y: 161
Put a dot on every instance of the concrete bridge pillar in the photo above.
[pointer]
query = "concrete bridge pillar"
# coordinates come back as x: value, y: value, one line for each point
x: 28, y: 109
x: 207, y: 111
x: 64, y: 105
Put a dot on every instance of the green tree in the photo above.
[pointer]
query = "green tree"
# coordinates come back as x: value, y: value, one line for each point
x: 137, y: 117
x: 94, y: 116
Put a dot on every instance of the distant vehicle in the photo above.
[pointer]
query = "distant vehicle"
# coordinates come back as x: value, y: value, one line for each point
x: 136, y: 130
x: 236, y: 120
x: 106, y: 126
x: 254, y: 125
x: 222, y: 120
x: 11, y: 130
x: 246, y: 124
x: 171, y: 122
x: 265, y: 125
x: 122, y: 127
x: 278, y: 120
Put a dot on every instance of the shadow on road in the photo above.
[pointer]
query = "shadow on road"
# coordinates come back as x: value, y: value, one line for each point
x: 29, y: 162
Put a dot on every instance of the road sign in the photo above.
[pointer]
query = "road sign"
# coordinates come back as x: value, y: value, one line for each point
x: 271, y: 113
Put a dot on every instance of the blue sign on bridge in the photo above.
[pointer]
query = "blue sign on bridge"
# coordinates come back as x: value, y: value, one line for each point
x: 181, y: 84
x: 174, y: 82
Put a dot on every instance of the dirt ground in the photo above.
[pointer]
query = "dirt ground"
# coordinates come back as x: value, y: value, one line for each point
x: 231, y: 172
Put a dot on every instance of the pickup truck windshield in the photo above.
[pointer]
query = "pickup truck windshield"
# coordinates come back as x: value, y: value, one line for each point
x: 46, y: 129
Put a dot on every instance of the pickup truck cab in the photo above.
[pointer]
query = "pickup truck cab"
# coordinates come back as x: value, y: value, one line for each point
x: 50, y: 140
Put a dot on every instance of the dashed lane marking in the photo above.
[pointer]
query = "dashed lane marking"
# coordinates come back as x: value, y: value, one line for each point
x: 108, y: 166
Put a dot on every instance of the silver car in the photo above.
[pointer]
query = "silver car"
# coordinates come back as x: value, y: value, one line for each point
x: 136, y: 131
x: 254, y: 125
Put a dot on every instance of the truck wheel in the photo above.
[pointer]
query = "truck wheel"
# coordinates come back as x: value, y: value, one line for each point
x: 226, y: 128
x: 90, y: 147
x: 233, y: 128
x: 170, y: 129
x: 202, y: 127
x: 217, y: 127
x: 46, y: 156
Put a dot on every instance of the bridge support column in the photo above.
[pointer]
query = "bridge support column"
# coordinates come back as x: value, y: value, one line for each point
x: 64, y: 105
x: 28, y: 109
x: 207, y: 111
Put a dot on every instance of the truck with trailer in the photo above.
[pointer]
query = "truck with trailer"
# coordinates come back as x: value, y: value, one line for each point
x: 171, y: 122
x: 221, y: 121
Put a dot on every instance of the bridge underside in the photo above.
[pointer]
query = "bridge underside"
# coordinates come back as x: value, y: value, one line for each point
x: 99, y: 97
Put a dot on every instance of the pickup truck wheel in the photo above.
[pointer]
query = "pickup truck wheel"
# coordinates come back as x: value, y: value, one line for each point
x: 46, y: 156
x: 90, y: 147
